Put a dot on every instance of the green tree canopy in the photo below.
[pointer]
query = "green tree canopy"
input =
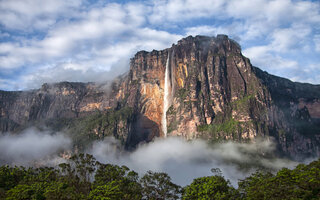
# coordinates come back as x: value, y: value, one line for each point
x: 303, y: 182
x: 82, y: 177
x: 114, y: 178
x: 210, y: 187
x: 157, y: 185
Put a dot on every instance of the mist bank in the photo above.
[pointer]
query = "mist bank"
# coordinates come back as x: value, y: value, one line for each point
x: 183, y: 160
x: 33, y: 146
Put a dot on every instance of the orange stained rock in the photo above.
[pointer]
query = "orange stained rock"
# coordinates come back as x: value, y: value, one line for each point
x: 153, y: 97
x: 181, y: 74
x: 90, y: 107
x: 66, y: 92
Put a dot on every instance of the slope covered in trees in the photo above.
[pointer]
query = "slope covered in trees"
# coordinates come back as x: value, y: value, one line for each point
x: 82, y: 177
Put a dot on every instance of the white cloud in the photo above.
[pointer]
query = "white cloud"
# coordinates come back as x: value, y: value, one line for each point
x: 308, y: 74
x: 262, y: 56
x: 94, y: 37
x: 293, y: 38
x: 270, y: 13
x: 27, y: 15
x: 206, y: 30
x: 31, y: 145
x: 245, y: 8
x: 281, y: 66
x: 233, y: 30
x: 185, y: 160
x: 181, y: 10
x: 86, y: 47
x: 99, y: 63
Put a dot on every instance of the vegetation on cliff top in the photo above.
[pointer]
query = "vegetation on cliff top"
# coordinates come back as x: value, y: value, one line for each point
x: 82, y: 177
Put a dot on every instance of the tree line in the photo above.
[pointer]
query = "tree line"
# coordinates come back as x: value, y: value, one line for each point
x: 82, y: 177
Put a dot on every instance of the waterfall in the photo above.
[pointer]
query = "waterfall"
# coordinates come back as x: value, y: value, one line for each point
x: 166, y: 98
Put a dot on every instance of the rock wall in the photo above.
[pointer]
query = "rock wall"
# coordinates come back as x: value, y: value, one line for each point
x: 215, y: 93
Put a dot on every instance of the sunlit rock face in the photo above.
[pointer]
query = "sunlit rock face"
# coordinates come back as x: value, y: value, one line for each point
x: 214, y: 84
x: 213, y: 93
x: 52, y: 101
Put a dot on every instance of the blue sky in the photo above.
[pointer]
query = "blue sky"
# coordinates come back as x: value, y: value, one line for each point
x: 92, y: 40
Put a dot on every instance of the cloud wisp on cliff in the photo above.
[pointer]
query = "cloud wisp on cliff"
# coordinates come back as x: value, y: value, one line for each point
x: 46, y: 41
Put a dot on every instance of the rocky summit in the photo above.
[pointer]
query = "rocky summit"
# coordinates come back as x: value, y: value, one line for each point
x: 201, y: 87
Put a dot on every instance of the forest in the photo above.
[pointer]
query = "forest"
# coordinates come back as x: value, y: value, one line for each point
x: 83, y: 177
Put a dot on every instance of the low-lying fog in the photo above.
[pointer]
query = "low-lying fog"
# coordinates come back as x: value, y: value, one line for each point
x: 31, y: 145
x: 182, y: 160
x: 185, y: 160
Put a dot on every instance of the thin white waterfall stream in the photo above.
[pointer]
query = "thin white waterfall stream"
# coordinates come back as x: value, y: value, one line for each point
x: 165, y: 99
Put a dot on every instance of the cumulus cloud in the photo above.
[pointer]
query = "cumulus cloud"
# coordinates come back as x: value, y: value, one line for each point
x: 31, y: 145
x: 262, y: 55
x: 213, y: 31
x: 93, y: 37
x: 185, y: 160
x: 300, y: 70
x: 208, y: 30
x: 96, y: 43
x: 288, y: 39
x: 27, y: 15
x: 181, y: 10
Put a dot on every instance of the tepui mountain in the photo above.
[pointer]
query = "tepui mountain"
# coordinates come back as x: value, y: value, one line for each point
x: 201, y: 87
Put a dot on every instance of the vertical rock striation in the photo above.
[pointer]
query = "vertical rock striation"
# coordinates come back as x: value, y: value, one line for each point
x: 217, y: 94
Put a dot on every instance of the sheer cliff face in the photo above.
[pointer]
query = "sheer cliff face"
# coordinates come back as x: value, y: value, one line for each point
x: 213, y: 93
x: 214, y: 84
x: 52, y: 101
x: 208, y: 79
